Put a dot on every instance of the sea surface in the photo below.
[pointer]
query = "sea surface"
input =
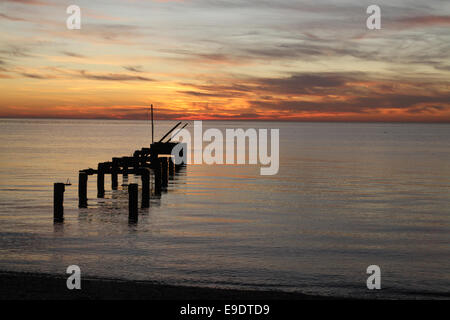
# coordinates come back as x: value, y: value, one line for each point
x: 347, y: 195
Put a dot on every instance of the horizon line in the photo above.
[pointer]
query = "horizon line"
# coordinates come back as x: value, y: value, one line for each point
x: 231, y: 119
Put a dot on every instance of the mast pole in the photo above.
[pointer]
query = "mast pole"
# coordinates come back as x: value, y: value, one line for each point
x: 153, y: 141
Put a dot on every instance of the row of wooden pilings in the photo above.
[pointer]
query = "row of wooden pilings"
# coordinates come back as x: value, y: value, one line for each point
x: 140, y: 164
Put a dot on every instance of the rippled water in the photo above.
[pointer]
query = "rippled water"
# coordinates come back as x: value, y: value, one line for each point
x: 347, y: 196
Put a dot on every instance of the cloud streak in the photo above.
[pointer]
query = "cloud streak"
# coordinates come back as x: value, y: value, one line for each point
x: 112, y: 77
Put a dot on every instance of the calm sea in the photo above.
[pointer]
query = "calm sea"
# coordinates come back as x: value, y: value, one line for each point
x: 346, y: 196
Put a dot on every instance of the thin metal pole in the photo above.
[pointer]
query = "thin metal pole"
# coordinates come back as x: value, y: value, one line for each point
x: 170, y: 139
x: 153, y: 134
x: 170, y: 131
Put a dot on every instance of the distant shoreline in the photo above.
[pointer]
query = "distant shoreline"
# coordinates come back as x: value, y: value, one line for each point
x: 40, y: 286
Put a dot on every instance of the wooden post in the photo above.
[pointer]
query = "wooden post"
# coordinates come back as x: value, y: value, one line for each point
x: 114, y: 179
x: 58, y: 202
x: 140, y: 159
x: 136, y: 161
x: 171, y: 167
x: 100, y: 181
x: 145, y: 177
x: 157, y: 171
x: 133, y: 202
x: 164, y: 172
x: 82, y: 189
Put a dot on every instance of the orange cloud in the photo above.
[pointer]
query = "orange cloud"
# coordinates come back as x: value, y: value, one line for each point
x: 431, y: 20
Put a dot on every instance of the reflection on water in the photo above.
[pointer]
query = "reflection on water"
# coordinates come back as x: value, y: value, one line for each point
x: 346, y: 196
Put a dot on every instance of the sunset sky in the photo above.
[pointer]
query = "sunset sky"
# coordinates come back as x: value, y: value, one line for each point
x: 217, y: 59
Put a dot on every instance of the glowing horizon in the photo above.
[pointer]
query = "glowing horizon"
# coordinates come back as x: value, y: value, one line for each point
x: 226, y: 60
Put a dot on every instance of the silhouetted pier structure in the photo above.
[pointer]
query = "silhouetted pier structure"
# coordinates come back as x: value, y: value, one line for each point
x: 156, y: 161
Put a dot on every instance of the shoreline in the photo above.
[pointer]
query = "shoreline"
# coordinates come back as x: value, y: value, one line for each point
x: 42, y: 286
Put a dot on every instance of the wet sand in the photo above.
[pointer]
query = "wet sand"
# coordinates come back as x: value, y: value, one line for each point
x: 34, y: 286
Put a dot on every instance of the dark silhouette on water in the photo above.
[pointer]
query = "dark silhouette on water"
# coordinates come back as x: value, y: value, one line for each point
x: 58, y: 202
x: 157, y: 160
x: 133, y: 203
x: 82, y: 189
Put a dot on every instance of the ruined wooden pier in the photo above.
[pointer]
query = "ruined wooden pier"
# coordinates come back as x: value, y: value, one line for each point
x: 156, y: 161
